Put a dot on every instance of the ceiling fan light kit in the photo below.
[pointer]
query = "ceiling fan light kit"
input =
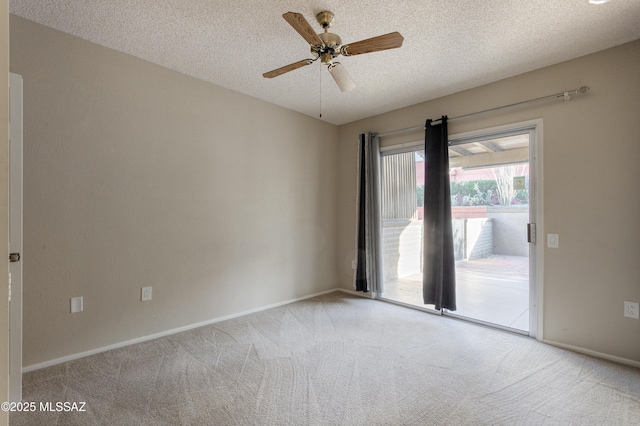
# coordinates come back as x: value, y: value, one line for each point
x: 327, y: 46
x: 341, y: 77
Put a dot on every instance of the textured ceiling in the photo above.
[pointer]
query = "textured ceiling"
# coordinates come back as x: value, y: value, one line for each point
x: 449, y: 45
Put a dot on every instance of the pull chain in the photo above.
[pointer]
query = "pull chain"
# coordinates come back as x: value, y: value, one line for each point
x: 320, y: 68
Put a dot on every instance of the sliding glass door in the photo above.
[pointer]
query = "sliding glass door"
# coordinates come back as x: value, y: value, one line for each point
x: 490, y: 192
x: 402, y: 187
x: 490, y: 207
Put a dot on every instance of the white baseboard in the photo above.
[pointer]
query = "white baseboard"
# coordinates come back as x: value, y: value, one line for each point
x: 369, y: 295
x: 578, y: 349
x: 594, y: 354
x: 72, y: 357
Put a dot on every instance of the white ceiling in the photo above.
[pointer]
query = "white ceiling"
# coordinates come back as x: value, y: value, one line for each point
x: 449, y: 45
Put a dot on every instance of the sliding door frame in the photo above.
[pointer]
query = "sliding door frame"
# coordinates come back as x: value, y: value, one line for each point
x: 536, y: 249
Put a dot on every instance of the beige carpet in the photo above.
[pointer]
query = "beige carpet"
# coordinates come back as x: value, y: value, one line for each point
x: 338, y: 360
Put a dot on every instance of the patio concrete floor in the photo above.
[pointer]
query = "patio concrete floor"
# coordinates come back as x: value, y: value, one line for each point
x: 493, y: 289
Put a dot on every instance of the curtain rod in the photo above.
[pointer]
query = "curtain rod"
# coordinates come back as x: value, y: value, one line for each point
x: 566, y: 95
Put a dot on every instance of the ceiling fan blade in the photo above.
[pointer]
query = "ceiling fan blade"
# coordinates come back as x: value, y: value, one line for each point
x: 287, y: 68
x: 342, y: 78
x: 375, y: 44
x: 303, y: 28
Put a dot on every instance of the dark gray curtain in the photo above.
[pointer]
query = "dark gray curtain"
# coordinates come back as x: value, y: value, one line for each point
x: 368, y: 226
x: 439, y: 263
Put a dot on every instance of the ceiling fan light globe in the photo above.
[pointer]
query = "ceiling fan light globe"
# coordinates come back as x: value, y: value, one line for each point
x: 341, y: 77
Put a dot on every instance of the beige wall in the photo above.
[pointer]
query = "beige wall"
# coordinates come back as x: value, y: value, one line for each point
x: 135, y: 175
x: 591, y: 163
x: 4, y: 206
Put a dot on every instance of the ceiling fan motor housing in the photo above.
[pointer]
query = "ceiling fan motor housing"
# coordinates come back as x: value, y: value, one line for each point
x: 331, y: 47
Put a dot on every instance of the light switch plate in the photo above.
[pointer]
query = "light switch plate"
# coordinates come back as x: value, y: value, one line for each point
x: 146, y: 294
x: 553, y: 240
x: 76, y: 304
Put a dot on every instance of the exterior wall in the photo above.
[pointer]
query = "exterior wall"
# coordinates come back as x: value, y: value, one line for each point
x: 459, y: 239
x: 472, y: 238
x: 402, y: 244
x: 479, y: 238
x: 510, y: 230
x: 402, y: 248
x: 461, y: 212
x: 509, y: 224
x: 391, y: 231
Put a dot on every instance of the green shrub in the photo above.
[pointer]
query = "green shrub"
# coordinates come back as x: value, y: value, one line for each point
x: 474, y: 193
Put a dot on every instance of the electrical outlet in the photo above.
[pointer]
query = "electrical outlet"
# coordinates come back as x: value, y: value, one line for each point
x: 146, y: 294
x: 76, y: 304
x: 631, y: 310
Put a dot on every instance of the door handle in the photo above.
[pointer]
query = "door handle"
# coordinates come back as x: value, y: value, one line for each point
x: 531, y: 233
x: 14, y: 257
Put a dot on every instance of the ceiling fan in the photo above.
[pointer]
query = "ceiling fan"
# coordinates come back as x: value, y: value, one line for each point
x: 327, y: 46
